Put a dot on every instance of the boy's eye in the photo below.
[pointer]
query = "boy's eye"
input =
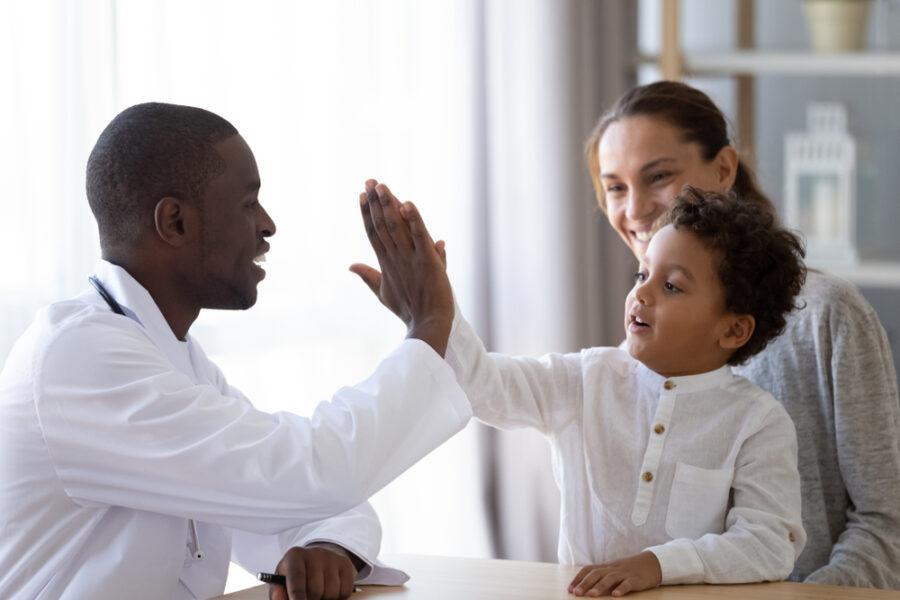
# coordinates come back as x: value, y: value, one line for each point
x: 640, y: 277
x: 670, y: 287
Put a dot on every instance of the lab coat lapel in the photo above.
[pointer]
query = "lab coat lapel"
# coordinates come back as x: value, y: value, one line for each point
x: 138, y: 304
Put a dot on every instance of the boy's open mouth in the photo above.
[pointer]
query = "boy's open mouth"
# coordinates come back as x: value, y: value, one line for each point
x: 636, y: 320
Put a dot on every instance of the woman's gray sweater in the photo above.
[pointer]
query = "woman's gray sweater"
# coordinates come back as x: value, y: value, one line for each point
x: 833, y: 371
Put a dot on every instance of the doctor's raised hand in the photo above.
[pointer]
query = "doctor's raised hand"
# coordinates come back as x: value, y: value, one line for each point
x: 413, y: 281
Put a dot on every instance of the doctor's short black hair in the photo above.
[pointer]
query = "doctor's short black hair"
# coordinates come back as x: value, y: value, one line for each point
x: 146, y: 153
x: 761, y: 264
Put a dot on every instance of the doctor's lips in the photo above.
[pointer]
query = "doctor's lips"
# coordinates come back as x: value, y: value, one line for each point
x: 261, y: 253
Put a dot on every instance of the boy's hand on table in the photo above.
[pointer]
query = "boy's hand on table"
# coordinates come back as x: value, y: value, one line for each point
x: 632, y: 574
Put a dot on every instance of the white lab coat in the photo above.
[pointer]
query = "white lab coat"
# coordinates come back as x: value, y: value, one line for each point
x: 113, y: 434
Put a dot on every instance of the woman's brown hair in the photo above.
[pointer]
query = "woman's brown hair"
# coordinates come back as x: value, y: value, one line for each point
x: 686, y: 108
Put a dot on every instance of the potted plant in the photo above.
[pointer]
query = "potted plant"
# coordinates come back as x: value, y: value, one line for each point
x: 836, y: 25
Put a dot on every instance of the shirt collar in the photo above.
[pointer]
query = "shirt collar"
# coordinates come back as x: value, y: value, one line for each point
x: 687, y: 383
x: 139, y: 305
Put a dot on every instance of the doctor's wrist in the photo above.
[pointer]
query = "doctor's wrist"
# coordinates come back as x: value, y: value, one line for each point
x: 434, y: 331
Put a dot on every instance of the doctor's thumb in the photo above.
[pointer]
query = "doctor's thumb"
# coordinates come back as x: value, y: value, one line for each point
x: 371, y: 277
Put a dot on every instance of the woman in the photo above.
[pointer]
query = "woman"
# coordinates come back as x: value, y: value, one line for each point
x: 832, y: 367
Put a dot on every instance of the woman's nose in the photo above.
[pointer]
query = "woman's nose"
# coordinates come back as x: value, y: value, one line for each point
x: 640, y: 206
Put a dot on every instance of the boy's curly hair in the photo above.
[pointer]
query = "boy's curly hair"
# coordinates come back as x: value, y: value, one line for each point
x: 761, y: 267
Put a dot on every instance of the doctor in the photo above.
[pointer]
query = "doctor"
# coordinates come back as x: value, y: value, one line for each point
x: 129, y: 467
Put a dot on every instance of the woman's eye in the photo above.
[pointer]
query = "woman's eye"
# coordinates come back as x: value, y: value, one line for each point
x: 656, y: 177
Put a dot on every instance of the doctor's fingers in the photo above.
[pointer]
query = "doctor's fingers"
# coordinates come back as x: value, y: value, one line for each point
x: 386, y: 250
x: 419, y: 233
x: 366, y: 210
x: 389, y: 223
x: 332, y: 580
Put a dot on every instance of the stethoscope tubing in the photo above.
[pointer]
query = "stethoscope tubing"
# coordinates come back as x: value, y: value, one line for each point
x: 194, y: 544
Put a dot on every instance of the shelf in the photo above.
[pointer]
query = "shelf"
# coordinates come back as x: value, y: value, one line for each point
x: 757, y: 62
x: 865, y: 274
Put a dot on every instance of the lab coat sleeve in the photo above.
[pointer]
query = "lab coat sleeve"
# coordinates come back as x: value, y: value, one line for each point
x: 356, y: 530
x: 510, y: 392
x: 763, y: 531
x: 123, y: 427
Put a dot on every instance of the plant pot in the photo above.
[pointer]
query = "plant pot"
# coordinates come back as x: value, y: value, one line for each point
x: 836, y: 25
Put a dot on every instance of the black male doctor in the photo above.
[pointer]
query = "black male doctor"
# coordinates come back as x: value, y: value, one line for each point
x: 129, y: 467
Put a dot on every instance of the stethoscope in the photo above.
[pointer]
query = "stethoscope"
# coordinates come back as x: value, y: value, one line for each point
x: 193, y: 543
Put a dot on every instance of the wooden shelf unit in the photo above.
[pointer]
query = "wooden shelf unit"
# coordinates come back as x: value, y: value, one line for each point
x: 745, y: 63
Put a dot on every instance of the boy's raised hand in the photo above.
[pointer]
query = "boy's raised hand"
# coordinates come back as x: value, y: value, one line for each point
x: 632, y: 574
x: 413, y: 281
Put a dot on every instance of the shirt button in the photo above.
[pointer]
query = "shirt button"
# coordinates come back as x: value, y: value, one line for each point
x: 791, y: 536
x: 647, y: 476
x: 669, y: 385
x: 660, y: 429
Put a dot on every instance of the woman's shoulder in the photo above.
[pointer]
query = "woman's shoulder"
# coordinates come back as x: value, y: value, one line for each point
x: 825, y: 294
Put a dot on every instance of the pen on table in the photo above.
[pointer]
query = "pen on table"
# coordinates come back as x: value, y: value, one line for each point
x: 276, y: 579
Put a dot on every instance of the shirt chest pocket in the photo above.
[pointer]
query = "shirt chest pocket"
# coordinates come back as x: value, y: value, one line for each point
x: 698, y: 501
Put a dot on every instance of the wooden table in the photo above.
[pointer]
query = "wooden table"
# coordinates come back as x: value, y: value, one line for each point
x: 441, y: 578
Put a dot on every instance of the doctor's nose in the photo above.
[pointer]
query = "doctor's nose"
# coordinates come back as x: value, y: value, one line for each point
x: 266, y: 224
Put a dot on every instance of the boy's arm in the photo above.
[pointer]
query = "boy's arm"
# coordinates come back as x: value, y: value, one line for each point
x: 511, y: 392
x: 763, y: 532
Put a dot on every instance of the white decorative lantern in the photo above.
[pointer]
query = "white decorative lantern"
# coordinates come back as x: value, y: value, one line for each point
x: 820, y: 185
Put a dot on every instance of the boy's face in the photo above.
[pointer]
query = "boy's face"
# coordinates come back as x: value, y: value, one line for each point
x: 675, y: 316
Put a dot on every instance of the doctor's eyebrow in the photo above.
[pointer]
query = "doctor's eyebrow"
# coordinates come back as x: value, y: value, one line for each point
x: 254, y: 185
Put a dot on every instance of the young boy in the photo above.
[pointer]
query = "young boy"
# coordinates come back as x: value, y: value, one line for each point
x: 672, y: 469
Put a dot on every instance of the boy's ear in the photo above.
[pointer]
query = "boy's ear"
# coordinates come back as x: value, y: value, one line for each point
x: 737, y: 332
x: 173, y: 219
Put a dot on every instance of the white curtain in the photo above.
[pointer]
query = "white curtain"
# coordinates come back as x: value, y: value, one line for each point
x: 475, y: 109
x: 558, y: 274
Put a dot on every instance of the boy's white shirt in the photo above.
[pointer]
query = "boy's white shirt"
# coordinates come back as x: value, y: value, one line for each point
x: 721, y: 503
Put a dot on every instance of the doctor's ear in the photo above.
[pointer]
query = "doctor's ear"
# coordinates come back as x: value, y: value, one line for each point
x: 172, y: 218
